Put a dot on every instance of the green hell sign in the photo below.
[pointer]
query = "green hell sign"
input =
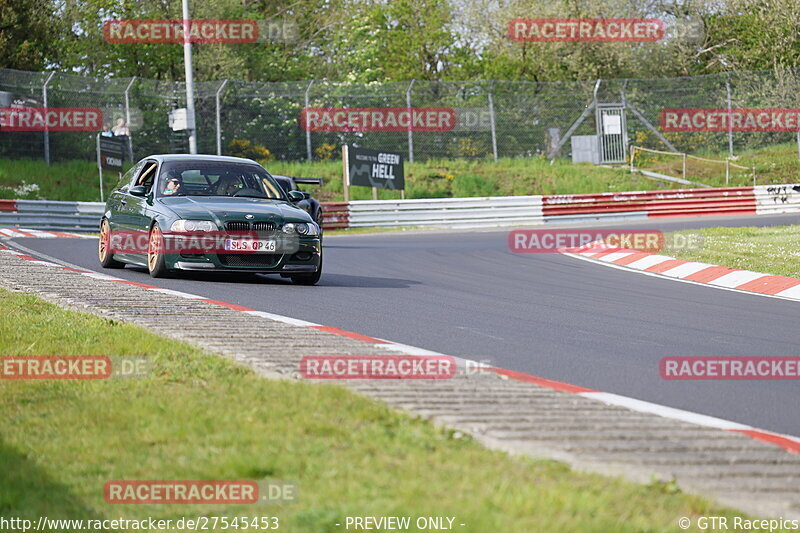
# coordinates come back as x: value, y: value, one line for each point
x: 375, y: 168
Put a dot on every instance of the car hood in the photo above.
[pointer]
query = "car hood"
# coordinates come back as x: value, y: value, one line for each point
x: 224, y: 208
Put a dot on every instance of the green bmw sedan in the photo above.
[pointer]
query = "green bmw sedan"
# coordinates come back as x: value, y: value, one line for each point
x: 209, y: 213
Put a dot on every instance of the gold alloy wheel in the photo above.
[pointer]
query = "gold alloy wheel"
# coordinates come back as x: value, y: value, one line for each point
x: 103, y: 242
x: 153, y: 248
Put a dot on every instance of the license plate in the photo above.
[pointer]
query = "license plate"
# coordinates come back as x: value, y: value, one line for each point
x: 249, y: 245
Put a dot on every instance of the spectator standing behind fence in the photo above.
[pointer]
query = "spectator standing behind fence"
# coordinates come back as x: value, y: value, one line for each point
x: 121, y: 129
x: 123, y: 133
x: 106, y: 131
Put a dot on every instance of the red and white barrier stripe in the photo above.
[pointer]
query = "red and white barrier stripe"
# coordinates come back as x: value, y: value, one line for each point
x: 787, y: 442
x: 554, y: 208
x: 490, y: 211
x: 39, y: 234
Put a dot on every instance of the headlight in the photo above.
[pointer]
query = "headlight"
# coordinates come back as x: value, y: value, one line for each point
x: 193, y: 225
x: 301, y: 228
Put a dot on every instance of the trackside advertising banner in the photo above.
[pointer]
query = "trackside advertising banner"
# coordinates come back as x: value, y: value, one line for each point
x: 112, y: 153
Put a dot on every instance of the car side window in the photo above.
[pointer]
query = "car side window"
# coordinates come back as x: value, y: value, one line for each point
x: 127, y: 178
x: 147, y: 175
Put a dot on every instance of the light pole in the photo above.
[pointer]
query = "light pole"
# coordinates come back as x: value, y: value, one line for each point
x: 187, y: 63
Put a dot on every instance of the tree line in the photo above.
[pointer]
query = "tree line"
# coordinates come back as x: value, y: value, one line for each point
x: 393, y: 40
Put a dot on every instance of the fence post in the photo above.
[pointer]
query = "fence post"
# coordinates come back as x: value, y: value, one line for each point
x: 684, y: 165
x: 308, y: 130
x: 727, y: 171
x: 410, y: 134
x: 491, y: 119
x: 99, y: 165
x: 730, y: 126
x: 128, y: 117
x: 219, y: 122
x: 633, y: 154
x: 46, y: 129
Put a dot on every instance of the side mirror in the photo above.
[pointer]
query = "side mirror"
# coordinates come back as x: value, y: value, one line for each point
x: 306, y: 195
x: 296, y: 196
x: 138, y: 190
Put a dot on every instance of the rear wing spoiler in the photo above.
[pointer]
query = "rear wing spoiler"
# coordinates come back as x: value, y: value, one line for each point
x: 307, y: 181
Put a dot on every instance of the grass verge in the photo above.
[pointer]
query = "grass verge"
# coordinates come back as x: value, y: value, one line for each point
x: 198, y: 416
x: 78, y: 180
x: 771, y: 250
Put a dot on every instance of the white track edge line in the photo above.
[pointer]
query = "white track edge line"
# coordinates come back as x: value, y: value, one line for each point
x: 603, y: 397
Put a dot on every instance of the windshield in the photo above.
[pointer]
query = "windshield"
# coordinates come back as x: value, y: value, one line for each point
x: 213, y: 178
x: 285, y: 183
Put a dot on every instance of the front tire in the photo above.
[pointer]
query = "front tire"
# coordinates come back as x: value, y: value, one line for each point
x: 104, y: 247
x: 156, y: 263
x: 311, y: 278
x: 318, y: 220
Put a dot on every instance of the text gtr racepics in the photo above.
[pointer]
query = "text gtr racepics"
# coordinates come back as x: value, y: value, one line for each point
x: 211, y: 213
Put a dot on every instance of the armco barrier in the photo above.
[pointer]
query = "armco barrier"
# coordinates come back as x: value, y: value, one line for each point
x: 651, y: 204
x: 335, y: 215
x: 775, y: 199
x: 46, y: 215
x: 475, y: 212
x: 447, y: 212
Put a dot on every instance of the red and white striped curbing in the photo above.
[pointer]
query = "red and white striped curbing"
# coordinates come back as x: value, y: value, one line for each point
x: 691, y: 271
x: 787, y: 442
x: 39, y: 234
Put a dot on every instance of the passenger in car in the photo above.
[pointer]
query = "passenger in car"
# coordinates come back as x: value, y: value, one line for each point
x: 228, y: 184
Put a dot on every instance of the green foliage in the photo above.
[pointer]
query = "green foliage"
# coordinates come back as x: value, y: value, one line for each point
x: 440, y: 178
x: 368, y: 40
x: 200, y: 416
x: 244, y: 148
x: 28, y: 34
x: 325, y: 151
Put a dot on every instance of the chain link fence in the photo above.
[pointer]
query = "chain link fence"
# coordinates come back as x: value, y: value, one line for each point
x: 494, y: 118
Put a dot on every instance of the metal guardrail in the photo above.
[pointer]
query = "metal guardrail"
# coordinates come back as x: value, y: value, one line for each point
x: 49, y: 215
x: 495, y: 211
x: 447, y: 212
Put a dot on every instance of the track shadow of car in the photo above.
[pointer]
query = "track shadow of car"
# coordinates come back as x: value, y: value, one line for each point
x: 365, y: 282
x: 328, y: 279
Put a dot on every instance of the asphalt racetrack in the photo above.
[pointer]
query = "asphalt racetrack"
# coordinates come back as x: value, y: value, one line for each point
x: 464, y: 293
